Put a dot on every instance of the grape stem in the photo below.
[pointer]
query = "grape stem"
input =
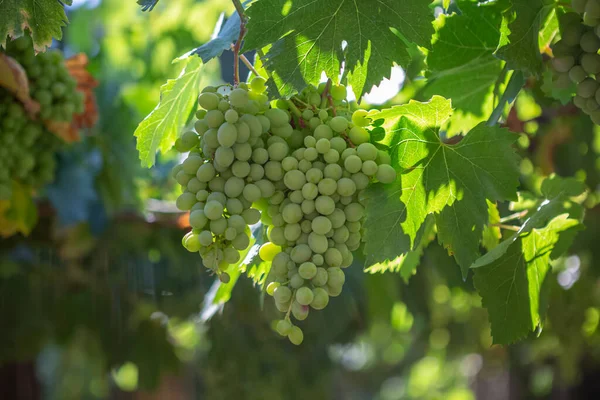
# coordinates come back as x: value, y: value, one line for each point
x: 325, y: 93
x: 287, y: 314
x: 507, y: 227
x: 294, y: 109
x: 246, y: 62
x: 516, y: 215
x: 238, y: 44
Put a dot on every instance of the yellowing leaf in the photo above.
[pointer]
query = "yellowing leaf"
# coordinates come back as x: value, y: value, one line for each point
x: 19, y: 213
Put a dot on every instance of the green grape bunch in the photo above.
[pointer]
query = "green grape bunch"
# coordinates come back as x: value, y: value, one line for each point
x: 576, y: 59
x: 300, y: 167
x: 27, y: 148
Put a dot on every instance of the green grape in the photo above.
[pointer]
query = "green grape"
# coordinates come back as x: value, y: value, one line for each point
x: 205, y: 238
x: 338, y: 124
x: 591, y: 63
x: 323, y: 115
x: 577, y: 74
x: 323, y: 145
x: 361, y: 180
x: 227, y: 134
x: 327, y: 186
x: 321, y: 225
x: 294, y: 179
x: 353, y: 164
x: 278, y: 151
x: 289, y: 163
x: 191, y: 165
x: 299, y: 311
x: 197, y: 219
x: 218, y: 226
x: 214, y: 118
x: 213, y: 209
x: 296, y: 336
x: 185, y: 201
x: 292, y: 213
x: 354, y: 212
x: 338, y: 92
x: 251, y: 216
x: 578, y: 5
x: 260, y: 156
x: 238, y: 97
x: 323, y: 132
x: 592, y: 8
x: 324, y: 205
x: 571, y: 34
x: 359, y: 135
x: 241, y: 241
x: 224, y: 156
x: 267, y: 189
x: 282, y: 294
x: 589, y: 43
x: 284, y: 328
x: 208, y: 101
x: 304, y: 296
x: 317, y: 243
x: 192, y: 244
x: 314, y: 175
x: 243, y: 132
x: 251, y: 192
x: 231, y: 116
x: 258, y: 84
x: 277, y: 117
x: 301, y: 253
x: 320, y: 299
x: 331, y: 157
x: 307, y: 270
x: 366, y: 151
x: 359, y: 118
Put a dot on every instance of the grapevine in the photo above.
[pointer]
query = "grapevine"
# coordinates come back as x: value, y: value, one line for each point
x: 27, y: 147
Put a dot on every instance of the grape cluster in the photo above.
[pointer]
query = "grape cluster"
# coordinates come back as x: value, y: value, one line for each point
x: 299, y: 166
x: 27, y: 148
x: 576, y: 57
x: 226, y: 171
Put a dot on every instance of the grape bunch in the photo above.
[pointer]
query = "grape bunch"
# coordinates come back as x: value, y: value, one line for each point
x: 576, y: 59
x: 299, y: 166
x: 27, y: 148
x: 228, y: 169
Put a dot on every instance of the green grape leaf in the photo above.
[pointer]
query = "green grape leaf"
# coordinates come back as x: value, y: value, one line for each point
x: 511, y: 286
x: 549, y: 31
x: 550, y: 89
x: 406, y: 264
x: 215, y: 47
x: 556, y: 191
x: 253, y: 265
x: 519, y: 42
x: 462, y: 65
x: 491, y: 232
x: 434, y: 175
x: 147, y: 5
x: 44, y: 18
x: 309, y: 37
x: 159, y: 130
x: 471, y: 88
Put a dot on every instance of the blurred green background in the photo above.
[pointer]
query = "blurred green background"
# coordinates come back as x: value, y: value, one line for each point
x: 103, y: 302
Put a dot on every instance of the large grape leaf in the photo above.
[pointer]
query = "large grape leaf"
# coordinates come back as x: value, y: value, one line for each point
x: 462, y: 65
x: 313, y: 36
x: 44, y: 18
x: 556, y: 192
x: 433, y: 176
x: 228, y: 34
x: 160, y: 128
x: 511, y: 286
x: 520, y: 41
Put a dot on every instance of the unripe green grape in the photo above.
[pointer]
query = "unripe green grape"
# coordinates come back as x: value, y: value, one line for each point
x: 271, y: 288
x: 296, y: 280
x: 224, y: 156
x: 354, y: 212
x: 386, y: 174
x: 591, y: 63
x: 213, y: 210
x: 317, y: 243
x: 314, y: 175
x: 296, y: 197
x: 238, y: 97
x: 282, y: 294
x: 323, y: 132
x: 296, y: 336
x: 214, y: 118
x: 307, y: 114
x: 292, y: 213
x: 257, y: 172
x: 277, y: 117
x: 340, y: 235
x: 322, y: 145
x: 590, y: 43
x: 210, y: 139
x: 227, y: 134
x: 359, y: 135
x: 276, y: 235
x: 234, y: 187
x: 299, y: 311
x: 571, y: 34
x: 191, y: 165
x: 267, y: 189
x: 260, y: 156
x: 284, y: 328
x: 321, y: 225
x: 182, y: 178
x: 251, y: 192
x: 292, y: 232
x: 251, y: 216
x: 333, y: 171
x: 367, y: 151
x: 243, y: 132
x: 592, y: 8
x: 577, y: 74
x: 360, y: 180
x: 320, y: 299
x: 359, y: 118
x: 185, y: 201
x: 338, y: 92
x: 307, y: 270
x: 197, y: 219
x: 304, y: 165
x: 311, y: 154
x: 294, y: 179
x: 241, y: 241
x: 338, y: 124
x: 205, y: 238
x: 324, y: 205
x: 258, y: 84
x: 237, y: 222
x: 332, y: 156
x: 273, y: 171
x: 301, y: 253
x: 591, y: 105
x: 304, y: 295
x: 327, y: 186
x: 241, y: 169
x: 578, y: 5
x: 353, y: 164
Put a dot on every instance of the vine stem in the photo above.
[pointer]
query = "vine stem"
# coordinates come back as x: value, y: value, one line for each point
x: 508, y: 227
x: 246, y: 62
x: 516, y: 215
x: 238, y: 44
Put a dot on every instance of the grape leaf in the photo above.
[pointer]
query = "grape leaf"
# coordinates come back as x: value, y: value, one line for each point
x: 491, y: 233
x: 19, y: 213
x: 44, y: 18
x: 215, y: 47
x: 14, y: 79
x: 406, y: 264
x: 160, y: 128
x: 556, y: 191
x: 310, y: 37
x: 510, y: 287
x: 463, y: 66
x: 147, y: 5
x: 519, y: 42
x: 434, y: 175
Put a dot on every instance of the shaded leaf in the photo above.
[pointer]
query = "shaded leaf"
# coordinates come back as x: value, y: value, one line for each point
x: 307, y: 39
x: 215, y: 47
x: 19, y: 213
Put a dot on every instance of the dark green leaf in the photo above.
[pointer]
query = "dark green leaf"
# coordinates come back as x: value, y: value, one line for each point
x: 215, y: 47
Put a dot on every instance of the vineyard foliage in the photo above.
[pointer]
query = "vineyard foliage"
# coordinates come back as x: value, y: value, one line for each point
x: 459, y: 161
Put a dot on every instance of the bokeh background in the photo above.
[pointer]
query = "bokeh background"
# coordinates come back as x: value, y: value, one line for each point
x: 101, y: 301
